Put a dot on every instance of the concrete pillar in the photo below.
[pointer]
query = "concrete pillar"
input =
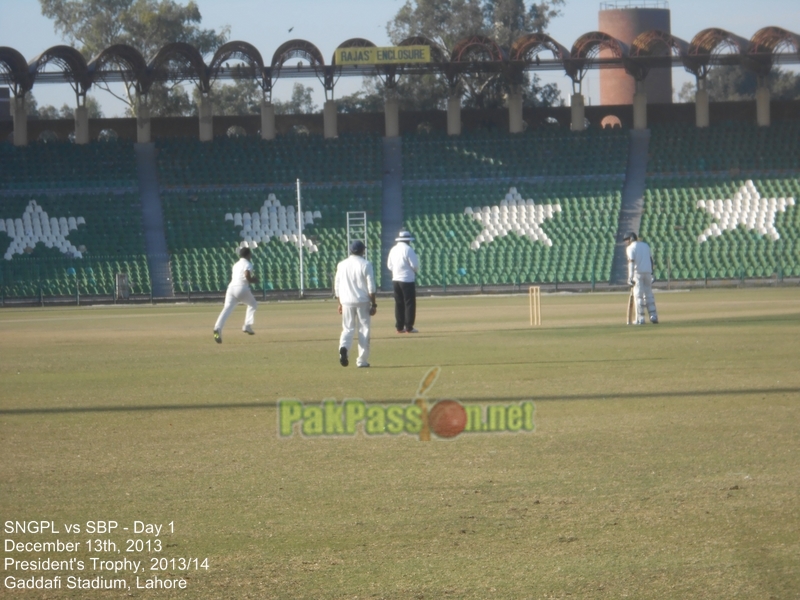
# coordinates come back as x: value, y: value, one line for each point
x: 391, y: 112
x: 515, y: 123
x: 578, y: 113
x: 640, y: 107
x: 19, y: 113
x: 206, y: 110
x: 81, y: 125
x: 267, y: 120
x: 762, y: 106
x: 702, y: 115
x: 454, y: 115
x: 329, y: 116
x: 142, y: 122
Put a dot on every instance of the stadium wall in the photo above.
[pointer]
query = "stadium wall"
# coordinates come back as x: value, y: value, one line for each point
x: 411, y: 121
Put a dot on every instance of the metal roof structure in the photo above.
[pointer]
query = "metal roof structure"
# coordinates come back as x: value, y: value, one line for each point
x: 474, y: 55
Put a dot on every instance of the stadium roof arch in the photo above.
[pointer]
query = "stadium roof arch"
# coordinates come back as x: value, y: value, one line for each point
x: 71, y: 63
x: 525, y: 51
x: 129, y: 58
x: 189, y: 65
x: 651, y: 44
x: 470, y: 57
x: 13, y: 64
x: 585, y: 51
x: 245, y: 52
x: 471, y: 51
x: 765, y: 44
x: 303, y: 50
x: 708, y: 43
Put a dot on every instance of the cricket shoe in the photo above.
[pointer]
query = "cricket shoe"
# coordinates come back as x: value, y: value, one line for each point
x: 343, y: 357
x: 218, y: 336
x: 248, y: 330
x: 412, y: 330
x: 654, y: 320
x: 364, y: 366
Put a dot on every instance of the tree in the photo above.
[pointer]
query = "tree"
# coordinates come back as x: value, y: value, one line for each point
x: 729, y: 83
x: 66, y: 111
x: 301, y: 102
x: 243, y: 97
x: 446, y: 22
x: 147, y: 25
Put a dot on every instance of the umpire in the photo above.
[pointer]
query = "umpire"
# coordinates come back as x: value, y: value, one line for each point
x: 403, y: 262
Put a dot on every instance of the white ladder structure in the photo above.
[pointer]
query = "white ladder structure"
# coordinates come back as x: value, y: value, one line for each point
x: 357, y: 229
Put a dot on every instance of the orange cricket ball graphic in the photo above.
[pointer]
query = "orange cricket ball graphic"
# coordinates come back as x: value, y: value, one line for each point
x: 447, y: 418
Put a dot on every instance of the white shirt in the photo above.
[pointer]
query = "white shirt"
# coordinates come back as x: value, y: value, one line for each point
x: 238, y: 277
x: 355, y: 280
x: 639, y: 254
x: 403, y: 262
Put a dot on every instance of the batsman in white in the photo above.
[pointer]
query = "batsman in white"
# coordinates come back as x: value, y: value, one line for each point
x: 355, y: 288
x: 640, y: 276
x: 239, y: 291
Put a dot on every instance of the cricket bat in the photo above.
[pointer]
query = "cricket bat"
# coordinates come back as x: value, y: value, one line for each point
x: 631, y: 314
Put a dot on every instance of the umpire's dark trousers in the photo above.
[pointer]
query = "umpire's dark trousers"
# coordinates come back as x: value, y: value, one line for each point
x: 405, y: 305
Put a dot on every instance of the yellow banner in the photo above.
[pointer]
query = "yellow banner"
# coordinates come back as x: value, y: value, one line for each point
x: 383, y: 56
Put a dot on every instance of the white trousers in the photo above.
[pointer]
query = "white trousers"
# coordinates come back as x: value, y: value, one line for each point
x: 234, y: 295
x: 356, y: 316
x: 643, y: 293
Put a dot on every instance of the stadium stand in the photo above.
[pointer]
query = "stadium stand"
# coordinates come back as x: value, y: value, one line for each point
x: 721, y: 202
x: 486, y: 207
x: 253, y: 178
x: 250, y: 160
x: 492, y: 154
x: 205, y: 227
x: 91, y: 237
x: 66, y: 166
x: 472, y: 202
x: 682, y: 148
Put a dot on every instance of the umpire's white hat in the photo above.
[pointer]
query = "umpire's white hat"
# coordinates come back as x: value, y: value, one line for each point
x: 404, y: 236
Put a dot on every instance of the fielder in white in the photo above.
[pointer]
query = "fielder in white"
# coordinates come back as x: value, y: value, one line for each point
x: 239, y: 291
x: 354, y: 286
x: 640, y: 276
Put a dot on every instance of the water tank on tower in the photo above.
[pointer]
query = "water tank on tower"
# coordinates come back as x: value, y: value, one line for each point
x: 624, y: 20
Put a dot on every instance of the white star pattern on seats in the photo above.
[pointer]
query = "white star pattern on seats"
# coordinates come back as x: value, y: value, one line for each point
x: 523, y: 217
x: 747, y: 208
x: 36, y: 227
x: 273, y: 220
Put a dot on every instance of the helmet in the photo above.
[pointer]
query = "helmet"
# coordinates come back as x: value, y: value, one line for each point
x: 357, y: 247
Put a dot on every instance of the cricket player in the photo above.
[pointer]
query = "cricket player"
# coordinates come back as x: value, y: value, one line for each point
x: 239, y: 291
x: 354, y: 287
x: 403, y: 262
x: 640, y: 276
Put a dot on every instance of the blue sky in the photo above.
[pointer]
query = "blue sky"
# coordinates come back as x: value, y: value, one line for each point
x: 266, y: 24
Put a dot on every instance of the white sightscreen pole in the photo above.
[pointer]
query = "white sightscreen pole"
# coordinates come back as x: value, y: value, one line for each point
x: 300, y: 235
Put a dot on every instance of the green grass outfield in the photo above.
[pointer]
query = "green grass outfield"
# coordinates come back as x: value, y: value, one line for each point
x: 665, y: 462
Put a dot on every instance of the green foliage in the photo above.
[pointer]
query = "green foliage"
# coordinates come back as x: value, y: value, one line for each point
x: 147, y: 25
x: 446, y: 23
x: 729, y: 83
x: 48, y: 111
x: 301, y: 102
